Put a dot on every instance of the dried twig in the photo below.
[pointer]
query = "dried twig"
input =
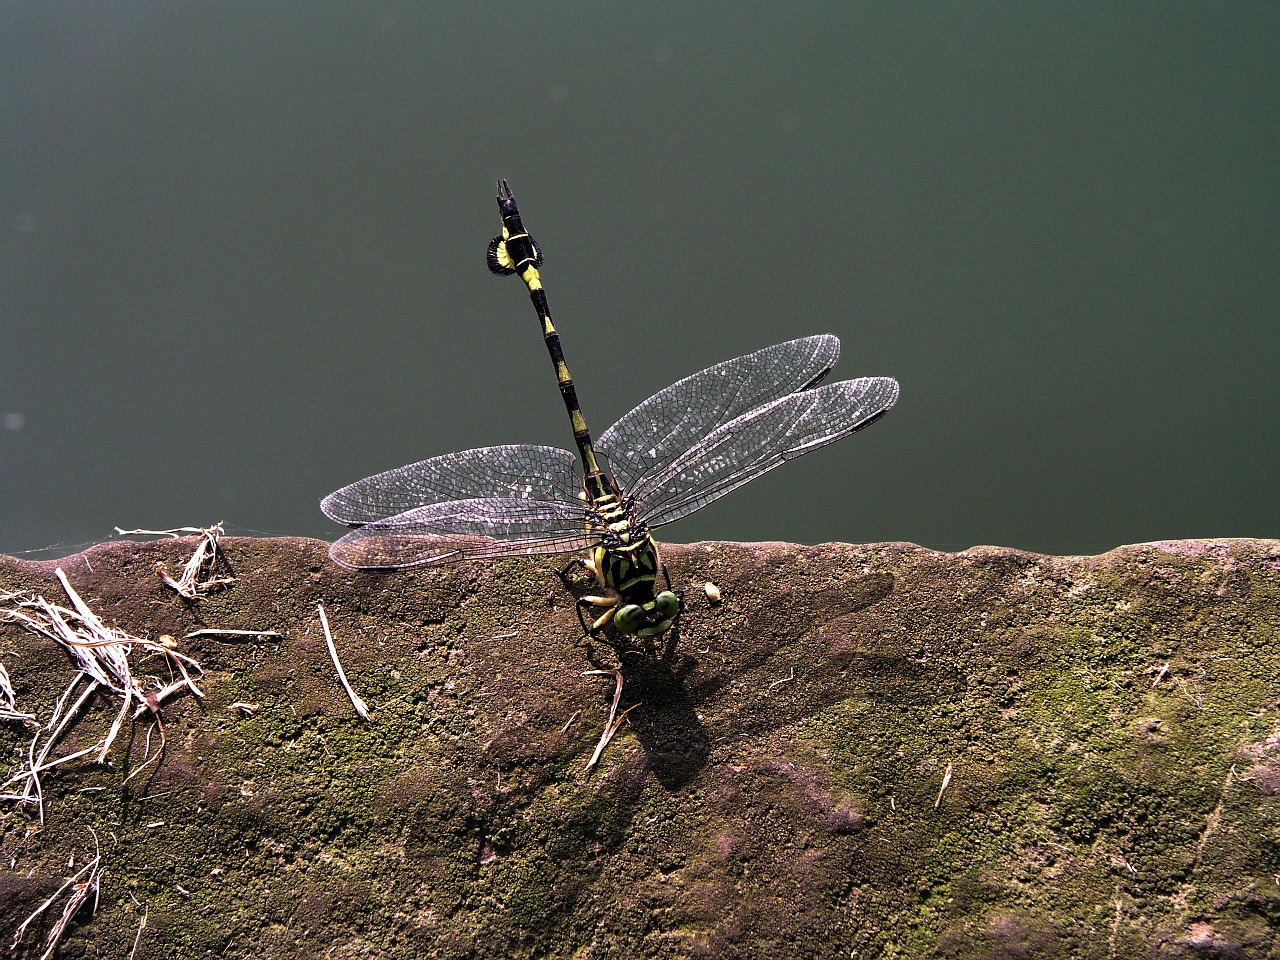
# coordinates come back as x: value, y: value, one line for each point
x: 8, y: 702
x: 777, y: 683
x: 615, y: 719
x: 210, y: 632
x: 103, y: 652
x: 137, y: 937
x: 81, y: 890
x: 197, y: 577
x: 102, y: 655
x: 37, y: 763
x: 174, y: 533
x: 946, y: 782
x: 342, y: 677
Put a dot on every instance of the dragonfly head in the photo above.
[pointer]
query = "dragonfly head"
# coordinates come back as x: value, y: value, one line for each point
x: 650, y: 619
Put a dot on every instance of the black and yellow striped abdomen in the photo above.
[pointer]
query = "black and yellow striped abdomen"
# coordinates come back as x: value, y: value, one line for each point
x: 514, y: 251
x: 625, y: 560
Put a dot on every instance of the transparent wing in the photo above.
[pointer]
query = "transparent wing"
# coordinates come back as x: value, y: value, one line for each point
x: 680, y: 417
x: 756, y: 442
x: 465, y: 530
x: 519, y: 471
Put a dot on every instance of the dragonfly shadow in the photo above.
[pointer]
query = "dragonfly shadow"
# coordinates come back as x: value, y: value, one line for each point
x: 796, y: 660
x: 664, y: 720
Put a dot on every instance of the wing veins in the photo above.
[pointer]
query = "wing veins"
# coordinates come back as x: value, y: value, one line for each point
x: 663, y: 500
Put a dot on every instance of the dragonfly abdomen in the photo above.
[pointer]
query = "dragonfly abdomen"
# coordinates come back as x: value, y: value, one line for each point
x: 514, y: 251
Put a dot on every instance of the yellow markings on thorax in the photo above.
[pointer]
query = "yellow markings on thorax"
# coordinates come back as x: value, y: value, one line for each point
x: 634, y: 547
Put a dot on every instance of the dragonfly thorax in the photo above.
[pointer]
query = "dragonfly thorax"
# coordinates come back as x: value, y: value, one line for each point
x: 625, y: 556
x: 625, y: 562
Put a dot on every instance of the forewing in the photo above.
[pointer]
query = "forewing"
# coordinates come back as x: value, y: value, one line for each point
x: 465, y: 530
x: 518, y: 471
x: 757, y: 441
x: 680, y: 417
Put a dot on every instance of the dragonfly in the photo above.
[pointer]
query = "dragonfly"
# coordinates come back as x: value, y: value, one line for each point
x: 683, y: 448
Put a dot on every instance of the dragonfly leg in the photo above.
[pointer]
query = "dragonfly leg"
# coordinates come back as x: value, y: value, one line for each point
x: 610, y: 605
x: 582, y: 621
x: 591, y: 605
x: 576, y: 562
x: 672, y: 640
x: 580, y: 603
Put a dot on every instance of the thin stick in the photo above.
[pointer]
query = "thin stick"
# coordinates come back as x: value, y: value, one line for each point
x: 149, y: 757
x: 8, y: 702
x: 611, y: 727
x: 88, y: 616
x: 107, y: 662
x: 102, y: 654
x: 137, y: 937
x: 946, y: 782
x: 210, y: 632
x: 175, y: 532
x: 80, y: 893
x: 32, y: 791
x: 60, y: 718
x: 110, y: 738
x: 342, y: 676
x: 776, y: 683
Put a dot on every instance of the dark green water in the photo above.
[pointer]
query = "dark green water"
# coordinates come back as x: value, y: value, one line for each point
x: 242, y: 254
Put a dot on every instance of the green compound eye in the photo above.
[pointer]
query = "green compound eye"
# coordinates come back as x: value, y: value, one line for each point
x: 629, y: 619
x: 665, y: 607
x: 667, y: 604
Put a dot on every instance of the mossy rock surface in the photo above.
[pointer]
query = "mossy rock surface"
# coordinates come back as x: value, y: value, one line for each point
x: 1105, y: 728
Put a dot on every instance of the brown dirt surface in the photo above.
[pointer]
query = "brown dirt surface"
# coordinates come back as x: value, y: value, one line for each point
x: 869, y: 751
